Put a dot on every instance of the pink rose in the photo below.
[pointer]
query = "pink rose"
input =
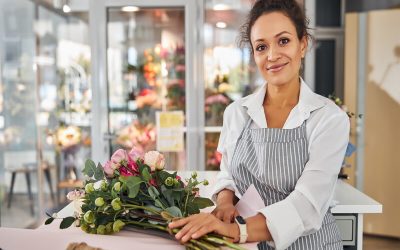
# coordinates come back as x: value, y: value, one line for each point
x: 155, y: 160
x: 120, y: 157
x: 134, y: 154
x: 108, y: 169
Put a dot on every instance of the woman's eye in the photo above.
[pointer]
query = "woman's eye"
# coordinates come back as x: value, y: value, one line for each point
x: 283, y: 41
x: 261, y: 47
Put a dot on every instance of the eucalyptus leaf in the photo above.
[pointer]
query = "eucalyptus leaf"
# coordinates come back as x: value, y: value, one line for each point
x: 99, y: 172
x: 153, y: 192
x: 158, y: 203
x: 133, y: 184
x: 174, y: 211
x: 90, y: 168
x: 146, y: 175
x: 67, y: 222
x: 49, y: 220
x: 191, y: 208
x: 202, y: 202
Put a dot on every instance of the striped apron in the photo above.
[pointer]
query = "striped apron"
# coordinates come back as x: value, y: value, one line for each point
x: 273, y: 160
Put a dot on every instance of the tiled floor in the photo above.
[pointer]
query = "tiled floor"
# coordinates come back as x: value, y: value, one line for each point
x: 380, y: 243
x: 19, y: 216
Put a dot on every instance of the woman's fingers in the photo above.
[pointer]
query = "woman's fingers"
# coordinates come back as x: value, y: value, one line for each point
x: 178, y: 223
x: 195, y: 226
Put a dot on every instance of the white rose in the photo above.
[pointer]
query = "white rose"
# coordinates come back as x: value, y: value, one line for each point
x: 155, y: 160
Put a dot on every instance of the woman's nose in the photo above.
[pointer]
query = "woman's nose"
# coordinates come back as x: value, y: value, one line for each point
x: 273, y: 54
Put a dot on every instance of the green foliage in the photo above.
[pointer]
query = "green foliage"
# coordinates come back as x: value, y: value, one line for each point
x: 92, y: 171
x: 67, y: 222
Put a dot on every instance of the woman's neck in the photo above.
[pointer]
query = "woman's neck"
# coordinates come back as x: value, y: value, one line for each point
x: 285, y: 95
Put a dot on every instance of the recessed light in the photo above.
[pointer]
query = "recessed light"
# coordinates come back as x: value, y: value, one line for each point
x: 130, y: 8
x: 221, y: 25
x: 66, y: 8
x: 221, y: 6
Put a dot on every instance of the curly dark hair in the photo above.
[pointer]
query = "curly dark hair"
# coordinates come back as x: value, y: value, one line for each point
x: 290, y: 8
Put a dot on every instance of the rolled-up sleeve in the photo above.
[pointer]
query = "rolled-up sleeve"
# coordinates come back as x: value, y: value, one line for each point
x: 303, y: 211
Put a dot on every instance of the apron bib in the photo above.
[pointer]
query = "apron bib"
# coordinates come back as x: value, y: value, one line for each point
x: 273, y: 160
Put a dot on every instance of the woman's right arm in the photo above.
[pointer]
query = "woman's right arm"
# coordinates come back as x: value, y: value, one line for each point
x: 224, y: 191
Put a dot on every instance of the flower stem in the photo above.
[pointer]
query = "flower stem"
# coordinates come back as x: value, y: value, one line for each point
x: 223, y: 242
x: 142, y: 207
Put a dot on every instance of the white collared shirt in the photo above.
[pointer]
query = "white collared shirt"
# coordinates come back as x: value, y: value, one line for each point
x: 327, y: 126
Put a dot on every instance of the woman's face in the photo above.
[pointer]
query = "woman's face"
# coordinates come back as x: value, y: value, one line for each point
x: 277, y: 49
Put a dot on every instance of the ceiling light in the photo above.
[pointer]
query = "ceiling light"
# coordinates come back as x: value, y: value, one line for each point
x: 130, y: 8
x: 221, y: 25
x: 221, y: 6
x: 66, y: 8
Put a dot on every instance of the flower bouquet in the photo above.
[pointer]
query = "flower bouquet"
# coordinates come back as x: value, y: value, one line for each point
x: 135, y: 191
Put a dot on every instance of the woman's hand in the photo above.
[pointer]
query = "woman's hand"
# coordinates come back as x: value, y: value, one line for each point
x: 225, y: 212
x: 225, y: 209
x: 195, y: 226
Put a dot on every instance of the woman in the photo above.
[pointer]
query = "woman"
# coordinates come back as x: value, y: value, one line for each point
x: 286, y: 140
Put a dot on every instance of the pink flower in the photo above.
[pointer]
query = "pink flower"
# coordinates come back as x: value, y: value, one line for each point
x: 120, y: 157
x: 178, y: 177
x: 134, y: 154
x: 217, y: 99
x: 125, y: 172
x: 153, y: 182
x: 108, y: 169
x: 155, y: 160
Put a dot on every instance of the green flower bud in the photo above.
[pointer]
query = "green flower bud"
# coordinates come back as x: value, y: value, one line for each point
x: 89, y: 188
x: 89, y: 217
x: 194, y: 175
x: 109, y: 228
x: 205, y: 183
x: 169, y: 181
x: 117, y: 186
x: 101, y: 229
x: 116, y: 204
x: 103, y: 185
x: 85, y: 228
x: 99, y: 202
x: 118, y: 225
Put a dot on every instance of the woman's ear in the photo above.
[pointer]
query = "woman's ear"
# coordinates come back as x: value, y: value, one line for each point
x: 303, y: 46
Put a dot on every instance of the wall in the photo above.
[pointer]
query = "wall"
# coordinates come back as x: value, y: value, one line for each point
x: 382, y: 121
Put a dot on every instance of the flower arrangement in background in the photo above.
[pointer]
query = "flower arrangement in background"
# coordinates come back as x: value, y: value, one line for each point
x: 152, y: 66
x: 351, y: 148
x: 134, y: 190
x: 148, y: 97
x: 142, y: 137
x: 215, y: 106
x: 68, y: 136
x: 214, y: 161
x: 176, y: 95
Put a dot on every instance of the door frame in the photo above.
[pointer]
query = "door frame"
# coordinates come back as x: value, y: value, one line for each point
x: 193, y: 77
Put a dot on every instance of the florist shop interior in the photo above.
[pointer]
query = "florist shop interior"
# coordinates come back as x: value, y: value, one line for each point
x: 80, y: 79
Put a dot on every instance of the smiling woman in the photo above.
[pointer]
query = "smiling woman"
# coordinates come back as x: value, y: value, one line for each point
x: 284, y: 139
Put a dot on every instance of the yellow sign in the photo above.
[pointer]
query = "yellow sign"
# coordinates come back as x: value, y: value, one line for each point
x: 170, y: 131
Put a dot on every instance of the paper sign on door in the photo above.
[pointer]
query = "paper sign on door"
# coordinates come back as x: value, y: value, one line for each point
x: 170, y: 131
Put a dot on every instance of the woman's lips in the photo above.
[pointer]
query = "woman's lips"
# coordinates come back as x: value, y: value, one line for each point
x: 276, y: 67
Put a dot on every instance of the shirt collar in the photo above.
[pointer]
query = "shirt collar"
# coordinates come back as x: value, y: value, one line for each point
x: 308, y: 102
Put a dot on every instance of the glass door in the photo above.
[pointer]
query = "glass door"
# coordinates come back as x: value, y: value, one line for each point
x: 146, y: 74
x: 146, y: 51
